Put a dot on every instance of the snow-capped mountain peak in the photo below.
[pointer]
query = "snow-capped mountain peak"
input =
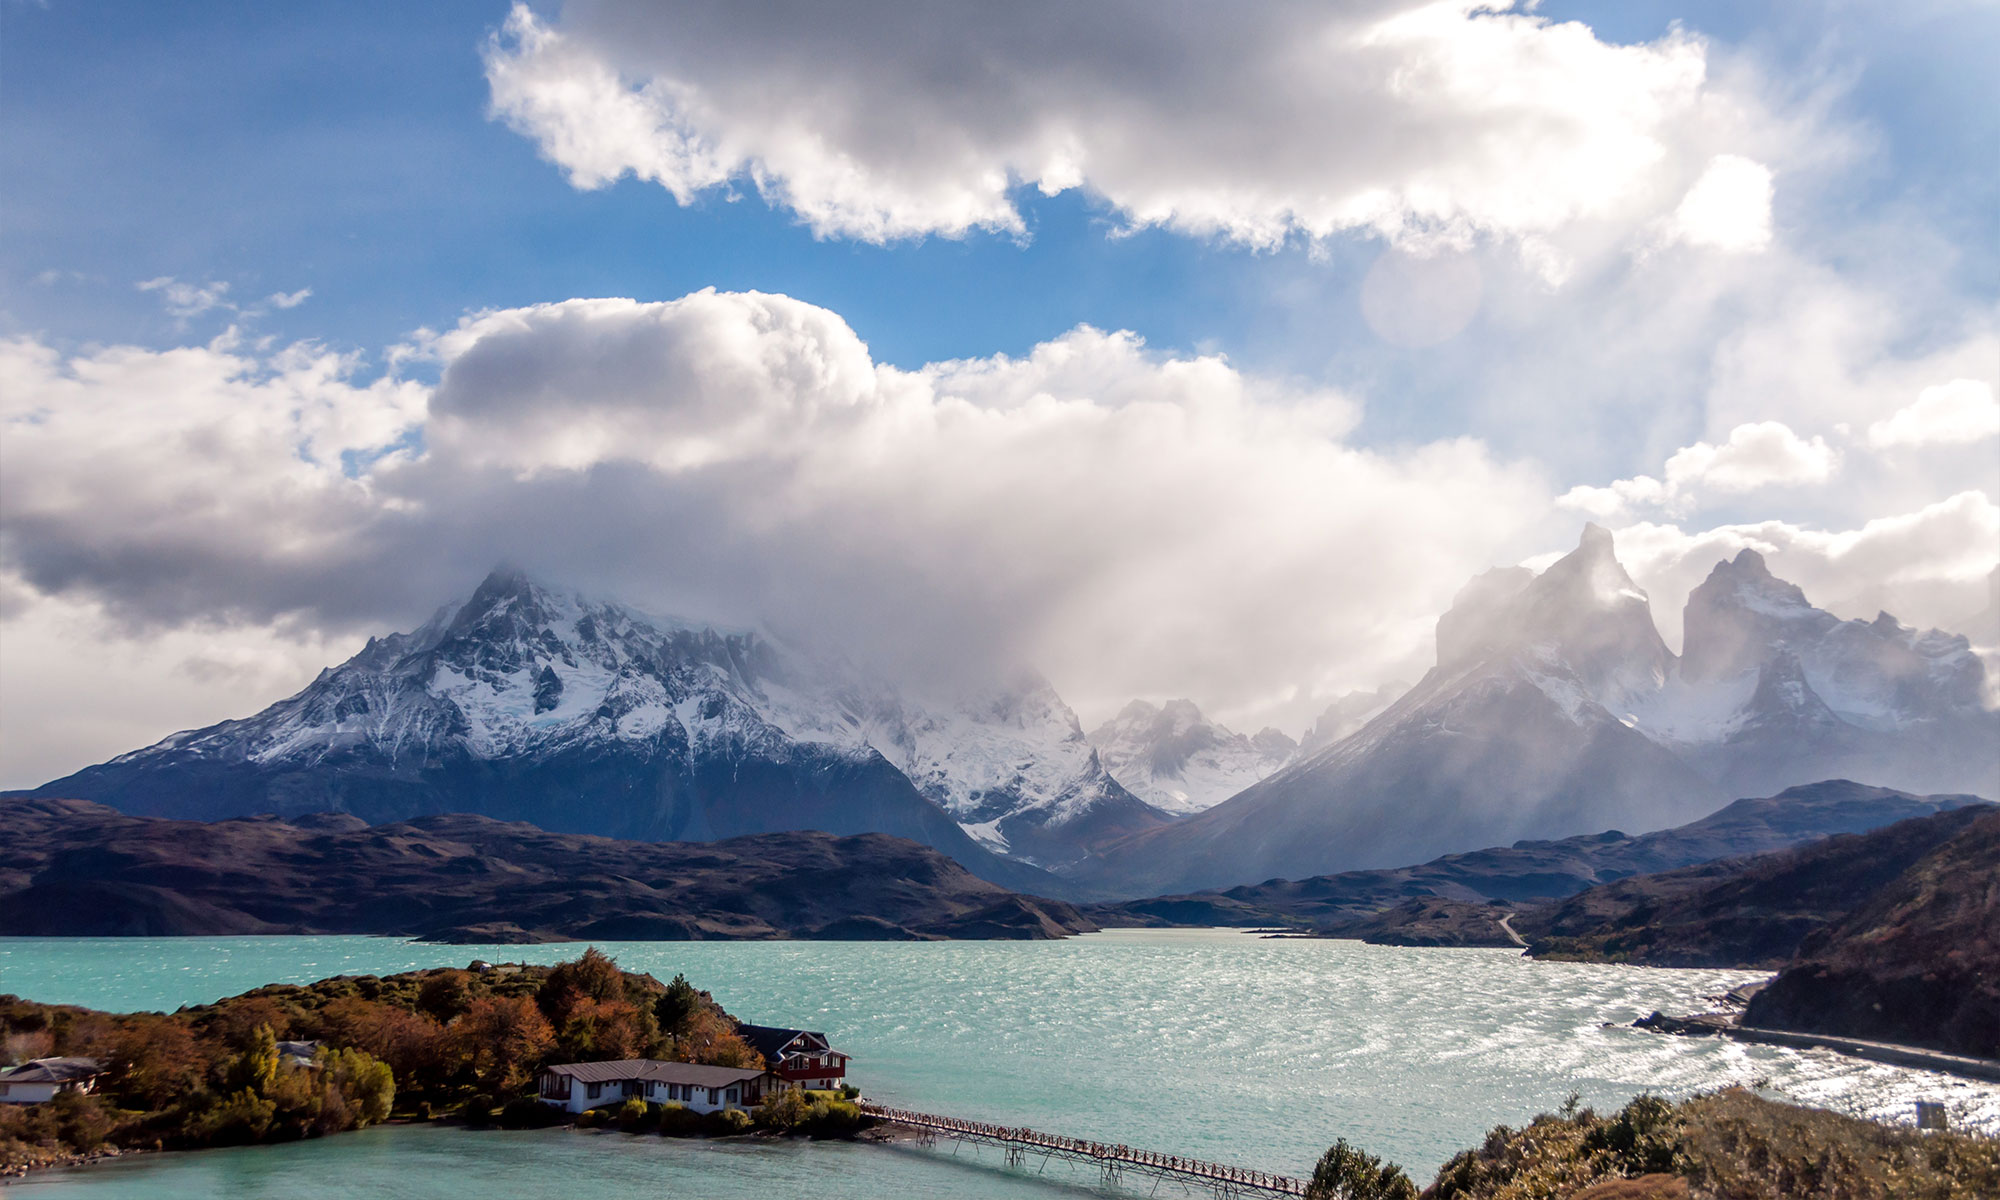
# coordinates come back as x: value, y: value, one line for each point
x: 528, y: 679
x: 1555, y: 706
x: 1179, y: 761
x: 1583, y: 626
x: 1009, y: 763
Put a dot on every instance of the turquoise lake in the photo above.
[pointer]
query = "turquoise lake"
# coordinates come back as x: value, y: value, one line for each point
x: 1212, y: 1043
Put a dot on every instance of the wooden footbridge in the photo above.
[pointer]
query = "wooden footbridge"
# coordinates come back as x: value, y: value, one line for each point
x: 1113, y: 1161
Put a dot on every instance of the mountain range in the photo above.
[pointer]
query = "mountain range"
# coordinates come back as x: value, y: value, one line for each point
x: 527, y: 703
x: 1555, y: 706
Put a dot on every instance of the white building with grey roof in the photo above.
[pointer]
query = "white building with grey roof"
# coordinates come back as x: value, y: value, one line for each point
x: 575, y: 1087
x: 42, y: 1079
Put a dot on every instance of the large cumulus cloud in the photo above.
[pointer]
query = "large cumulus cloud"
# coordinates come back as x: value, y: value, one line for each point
x: 209, y: 523
x: 1131, y: 520
x: 1420, y: 120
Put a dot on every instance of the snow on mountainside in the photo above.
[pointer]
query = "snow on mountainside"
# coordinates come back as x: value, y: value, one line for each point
x: 1348, y: 713
x: 521, y: 671
x: 1012, y: 766
x: 531, y: 703
x: 1768, y: 686
x: 1556, y: 706
x: 1179, y: 761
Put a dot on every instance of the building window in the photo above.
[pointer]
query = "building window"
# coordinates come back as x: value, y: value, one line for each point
x: 593, y: 1091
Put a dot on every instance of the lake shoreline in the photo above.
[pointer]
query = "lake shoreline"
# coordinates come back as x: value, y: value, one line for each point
x: 1292, y: 1036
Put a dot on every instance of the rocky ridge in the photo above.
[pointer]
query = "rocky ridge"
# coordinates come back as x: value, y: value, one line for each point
x: 1470, y: 891
x: 78, y: 869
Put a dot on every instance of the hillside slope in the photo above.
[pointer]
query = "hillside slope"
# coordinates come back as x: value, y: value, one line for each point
x: 1918, y: 963
x: 1531, y: 872
x: 1738, y: 912
x: 75, y: 868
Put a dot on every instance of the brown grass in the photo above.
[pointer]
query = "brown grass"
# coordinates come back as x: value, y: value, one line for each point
x: 1730, y: 1145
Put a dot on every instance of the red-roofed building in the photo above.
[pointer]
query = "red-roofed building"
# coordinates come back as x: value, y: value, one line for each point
x: 801, y: 1057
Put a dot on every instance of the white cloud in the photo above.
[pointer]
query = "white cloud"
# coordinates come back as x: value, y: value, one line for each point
x: 1755, y: 456
x: 1927, y: 567
x: 1728, y: 208
x: 1425, y: 122
x: 1963, y: 410
x: 1764, y: 454
x: 742, y: 456
x: 76, y: 682
x: 179, y: 472
x: 185, y: 300
x: 289, y: 299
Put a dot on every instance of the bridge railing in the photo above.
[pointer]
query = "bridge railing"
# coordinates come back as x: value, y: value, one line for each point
x: 1109, y: 1155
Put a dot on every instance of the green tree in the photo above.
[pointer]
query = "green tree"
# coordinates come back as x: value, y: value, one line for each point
x: 256, y: 1068
x: 677, y: 1006
x: 1643, y: 1136
x: 238, y: 1119
x: 786, y: 1108
x: 1346, y: 1173
x: 364, y: 1083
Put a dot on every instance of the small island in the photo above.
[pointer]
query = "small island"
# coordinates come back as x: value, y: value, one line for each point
x: 507, y: 1044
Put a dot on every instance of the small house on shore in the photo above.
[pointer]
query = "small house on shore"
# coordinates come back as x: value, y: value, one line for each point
x: 42, y: 1079
x: 800, y: 1057
x: 576, y: 1087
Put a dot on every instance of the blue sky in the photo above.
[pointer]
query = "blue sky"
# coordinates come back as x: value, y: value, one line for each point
x: 350, y: 149
x: 346, y: 148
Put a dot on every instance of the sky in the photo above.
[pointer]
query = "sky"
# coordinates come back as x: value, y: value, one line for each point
x: 1172, y: 349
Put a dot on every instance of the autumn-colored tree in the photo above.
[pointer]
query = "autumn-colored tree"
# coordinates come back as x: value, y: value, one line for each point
x: 445, y: 995
x: 237, y: 1021
x: 504, y: 1039
x: 156, y: 1060
x: 710, y: 1037
x: 602, y: 1031
x: 83, y: 1032
x: 414, y: 1044
x: 593, y: 976
x: 25, y: 1044
x: 334, y: 1115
